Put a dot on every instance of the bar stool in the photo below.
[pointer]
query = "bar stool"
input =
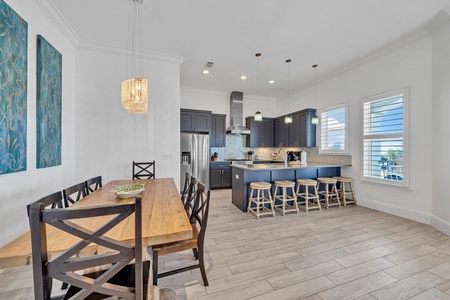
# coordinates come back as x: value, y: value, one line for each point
x: 284, y: 197
x: 306, y: 196
x: 260, y: 200
x: 330, y: 193
x: 343, y: 191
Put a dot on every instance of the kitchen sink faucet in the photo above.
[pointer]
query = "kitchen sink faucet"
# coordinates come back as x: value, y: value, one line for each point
x: 284, y: 157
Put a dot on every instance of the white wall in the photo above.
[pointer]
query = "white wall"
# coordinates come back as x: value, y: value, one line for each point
x: 407, y: 66
x: 219, y: 103
x: 108, y: 139
x: 441, y: 140
x: 20, y: 189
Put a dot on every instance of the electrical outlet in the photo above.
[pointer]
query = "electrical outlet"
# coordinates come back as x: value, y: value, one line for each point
x: 237, y: 176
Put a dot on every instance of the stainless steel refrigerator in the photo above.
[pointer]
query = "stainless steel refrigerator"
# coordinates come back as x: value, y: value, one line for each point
x: 195, y: 157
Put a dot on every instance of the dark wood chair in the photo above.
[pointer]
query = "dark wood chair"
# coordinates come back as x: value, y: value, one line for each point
x: 64, y: 267
x: 199, y: 219
x: 54, y: 200
x: 143, y: 170
x: 187, y: 180
x: 74, y: 193
x: 190, y: 186
x: 189, y: 200
x: 93, y: 184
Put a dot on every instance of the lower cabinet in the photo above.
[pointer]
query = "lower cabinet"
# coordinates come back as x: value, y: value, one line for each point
x: 220, y: 175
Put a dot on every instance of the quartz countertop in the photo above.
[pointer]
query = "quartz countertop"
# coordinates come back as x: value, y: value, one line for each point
x: 280, y: 166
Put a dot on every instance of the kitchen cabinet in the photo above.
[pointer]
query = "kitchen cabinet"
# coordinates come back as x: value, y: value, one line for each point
x: 220, y: 174
x: 302, y: 133
x: 218, y: 130
x: 281, y: 132
x: 262, y: 132
x: 195, y: 120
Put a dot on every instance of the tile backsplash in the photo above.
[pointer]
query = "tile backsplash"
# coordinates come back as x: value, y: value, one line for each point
x: 235, y: 149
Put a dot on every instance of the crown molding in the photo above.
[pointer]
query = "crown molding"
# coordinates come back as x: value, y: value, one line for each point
x: 224, y: 94
x: 438, y: 21
x: 56, y: 17
x: 111, y: 49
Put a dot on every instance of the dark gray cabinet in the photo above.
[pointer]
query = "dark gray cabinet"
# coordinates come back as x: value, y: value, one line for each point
x: 281, y: 132
x: 218, y: 130
x: 195, y: 120
x: 220, y: 175
x: 302, y: 133
x: 262, y: 132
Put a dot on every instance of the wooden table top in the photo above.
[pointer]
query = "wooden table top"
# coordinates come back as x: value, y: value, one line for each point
x: 163, y: 220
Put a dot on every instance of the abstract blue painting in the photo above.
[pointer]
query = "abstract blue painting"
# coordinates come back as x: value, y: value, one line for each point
x: 13, y: 91
x: 48, y: 105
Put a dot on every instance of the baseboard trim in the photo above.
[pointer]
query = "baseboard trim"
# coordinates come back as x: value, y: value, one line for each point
x: 440, y: 224
x: 397, y: 211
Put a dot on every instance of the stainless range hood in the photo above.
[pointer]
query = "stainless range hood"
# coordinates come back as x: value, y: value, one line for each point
x: 236, y: 114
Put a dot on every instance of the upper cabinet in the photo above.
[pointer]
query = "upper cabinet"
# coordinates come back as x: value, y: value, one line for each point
x: 195, y: 120
x: 281, y: 132
x: 218, y: 130
x: 262, y: 132
x: 301, y: 132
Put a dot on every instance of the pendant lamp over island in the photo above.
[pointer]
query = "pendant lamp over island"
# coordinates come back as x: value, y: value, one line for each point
x: 288, y: 117
x: 315, y: 119
x: 135, y: 89
x: 258, y: 115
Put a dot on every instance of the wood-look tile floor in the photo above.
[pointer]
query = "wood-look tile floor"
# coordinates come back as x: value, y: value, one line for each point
x: 341, y: 253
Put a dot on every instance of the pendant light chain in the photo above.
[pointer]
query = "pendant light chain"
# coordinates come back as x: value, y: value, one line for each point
x: 315, y: 119
x: 135, y: 89
x: 288, y: 117
x: 258, y: 115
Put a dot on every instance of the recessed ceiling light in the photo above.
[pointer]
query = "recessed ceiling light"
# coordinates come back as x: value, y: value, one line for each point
x: 243, y: 77
x: 208, y: 66
x: 272, y: 81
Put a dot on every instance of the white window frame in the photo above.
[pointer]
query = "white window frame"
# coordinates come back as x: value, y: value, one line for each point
x: 346, y: 150
x: 405, y: 183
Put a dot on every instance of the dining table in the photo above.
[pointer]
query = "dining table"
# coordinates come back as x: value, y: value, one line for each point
x: 164, y: 220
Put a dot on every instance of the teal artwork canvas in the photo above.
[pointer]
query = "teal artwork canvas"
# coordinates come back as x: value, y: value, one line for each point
x: 13, y: 91
x: 48, y: 105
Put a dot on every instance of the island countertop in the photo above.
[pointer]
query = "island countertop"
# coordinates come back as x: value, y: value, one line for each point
x: 280, y: 166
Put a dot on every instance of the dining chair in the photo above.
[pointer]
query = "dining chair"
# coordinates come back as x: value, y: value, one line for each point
x: 189, y: 192
x: 54, y: 200
x: 199, y: 219
x: 143, y: 170
x: 115, y: 280
x: 93, y: 184
x: 187, y: 180
x: 74, y: 193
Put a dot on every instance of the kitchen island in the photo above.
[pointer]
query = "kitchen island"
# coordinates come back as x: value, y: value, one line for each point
x: 243, y: 175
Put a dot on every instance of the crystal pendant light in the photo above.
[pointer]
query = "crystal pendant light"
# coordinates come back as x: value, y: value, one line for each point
x: 135, y: 89
x: 258, y: 115
x: 288, y: 117
x: 315, y: 119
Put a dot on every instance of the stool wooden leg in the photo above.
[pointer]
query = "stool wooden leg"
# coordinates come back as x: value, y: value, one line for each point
x: 317, y: 197
x: 271, y: 202
x: 352, y: 191
x: 250, y: 200
x: 294, y: 201
x: 283, y: 207
x: 306, y: 198
x: 343, y: 194
x: 335, y: 191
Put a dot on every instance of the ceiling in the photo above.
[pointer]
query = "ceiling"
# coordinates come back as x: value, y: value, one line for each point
x: 333, y: 34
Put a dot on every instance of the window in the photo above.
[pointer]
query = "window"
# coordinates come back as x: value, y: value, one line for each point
x: 385, y: 138
x: 333, y: 130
